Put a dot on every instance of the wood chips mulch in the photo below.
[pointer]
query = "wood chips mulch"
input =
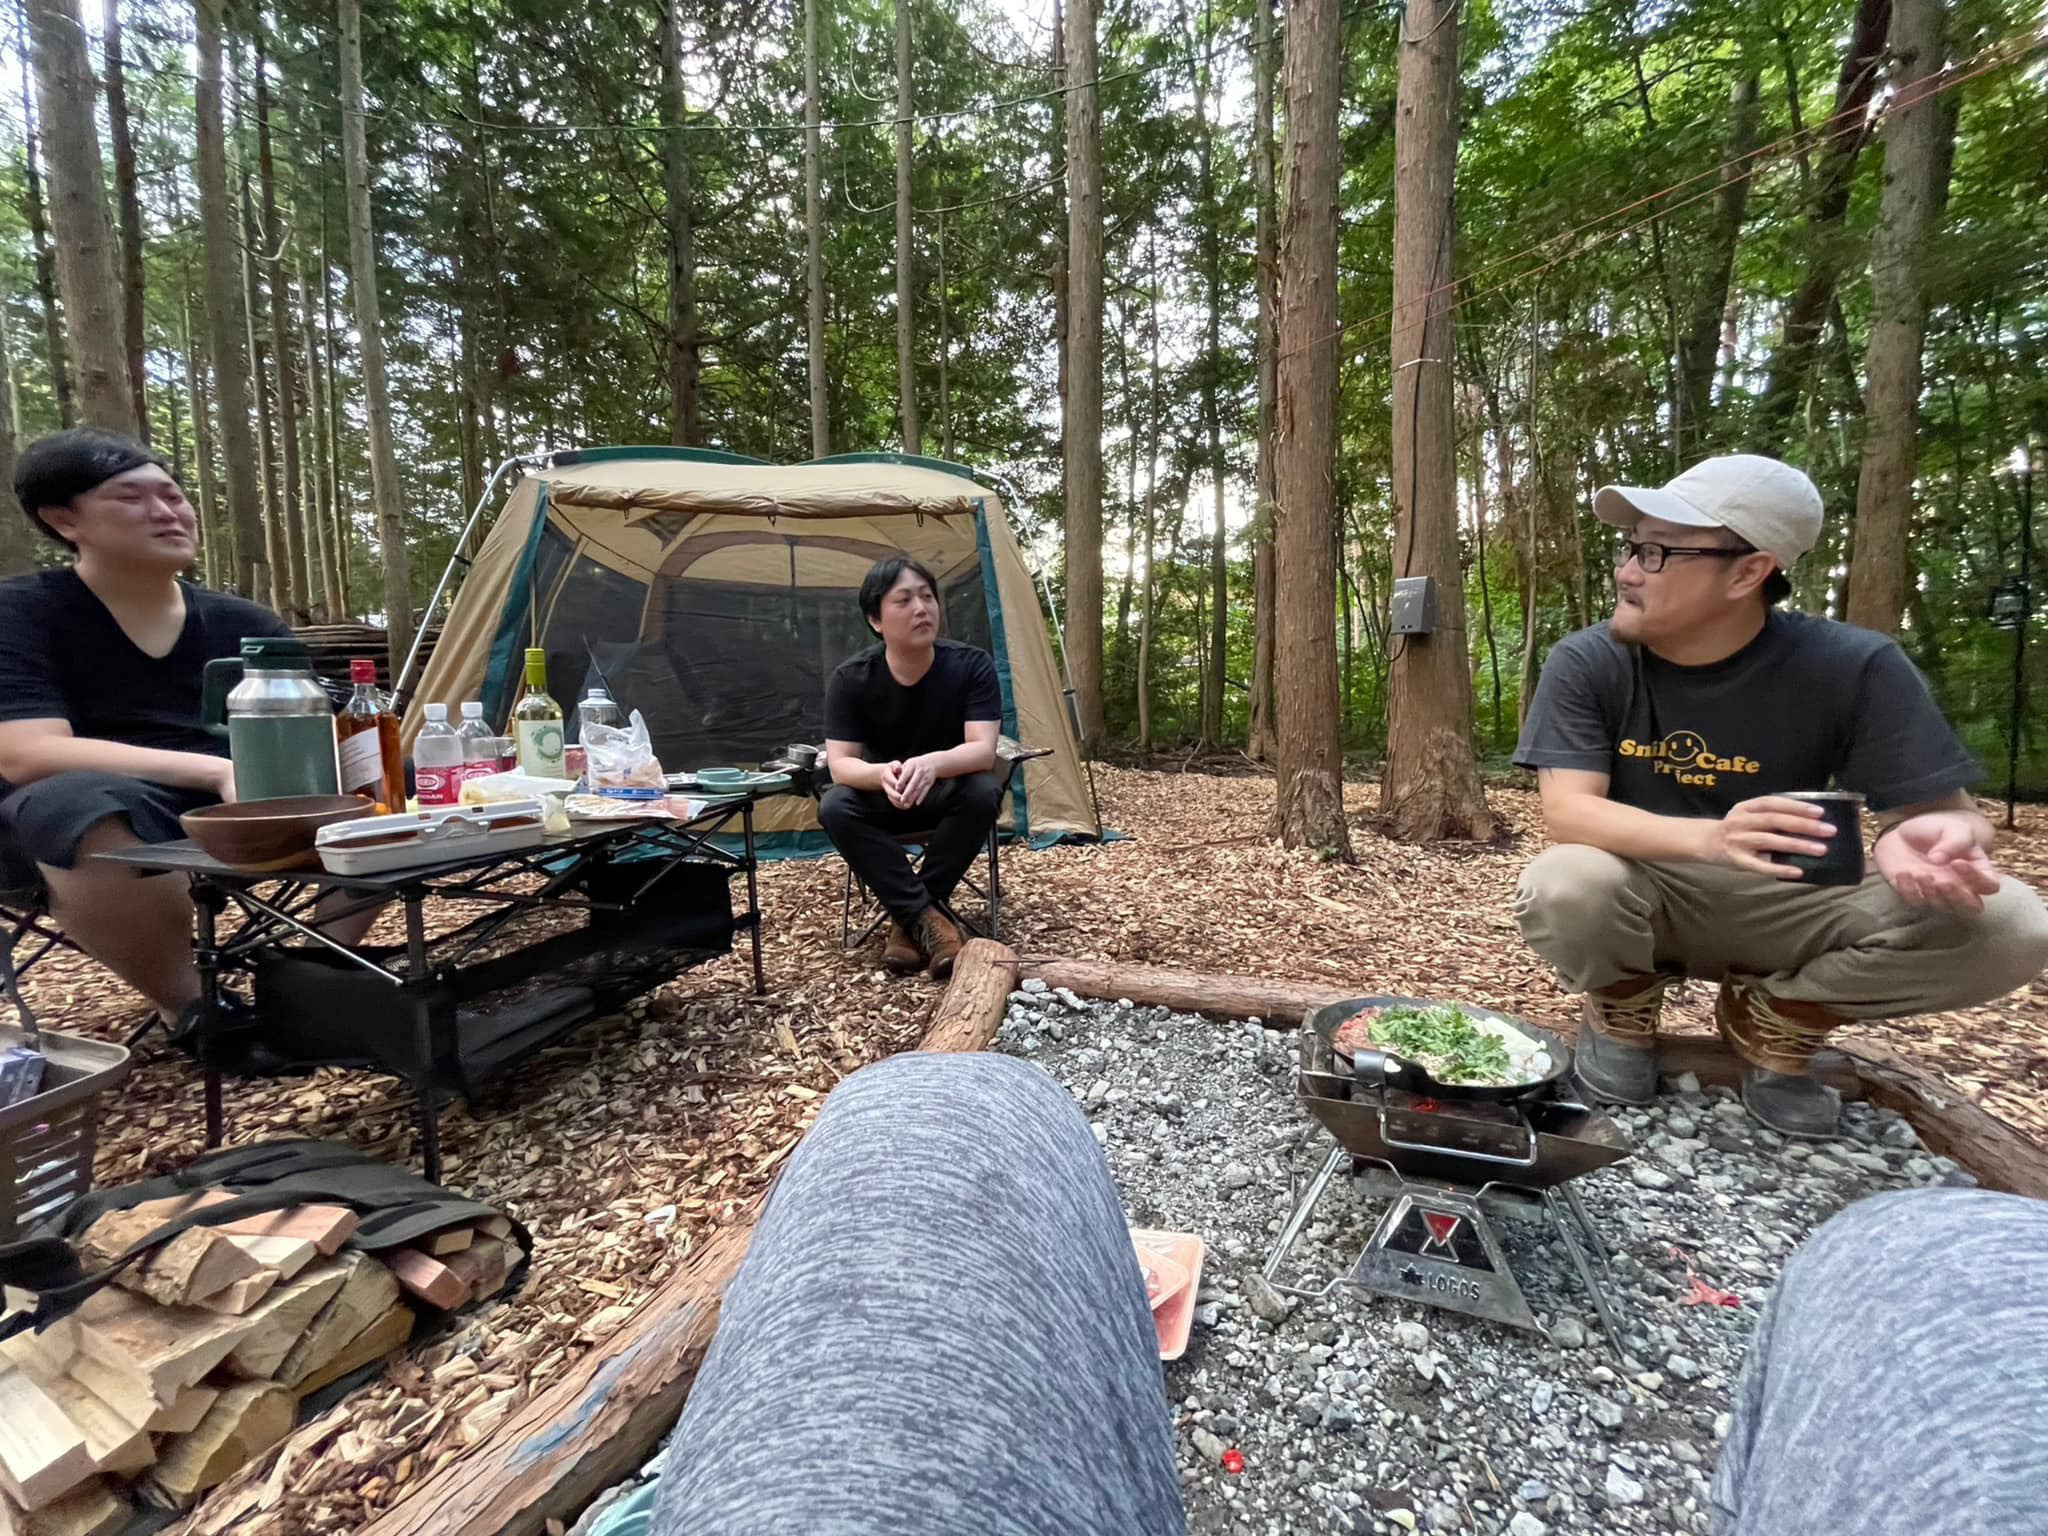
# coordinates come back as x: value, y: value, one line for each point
x: 631, y: 1143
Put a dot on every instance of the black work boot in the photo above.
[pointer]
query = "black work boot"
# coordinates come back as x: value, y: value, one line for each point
x: 1616, y: 1056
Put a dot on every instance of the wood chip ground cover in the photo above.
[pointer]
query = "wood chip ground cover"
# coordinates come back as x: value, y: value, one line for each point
x: 629, y: 1143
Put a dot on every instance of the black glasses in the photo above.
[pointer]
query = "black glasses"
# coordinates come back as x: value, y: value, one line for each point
x: 1651, y: 557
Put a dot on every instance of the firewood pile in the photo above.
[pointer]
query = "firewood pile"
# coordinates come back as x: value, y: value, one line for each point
x: 194, y: 1363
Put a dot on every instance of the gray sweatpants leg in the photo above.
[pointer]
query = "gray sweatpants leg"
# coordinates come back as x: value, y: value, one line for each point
x: 940, y: 1327
x: 1899, y: 1379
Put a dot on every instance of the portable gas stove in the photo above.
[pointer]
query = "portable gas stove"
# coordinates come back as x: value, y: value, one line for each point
x: 1452, y: 1159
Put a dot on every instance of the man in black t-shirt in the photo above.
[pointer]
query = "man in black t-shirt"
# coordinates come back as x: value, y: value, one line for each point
x: 910, y: 733
x: 1666, y: 742
x: 101, y: 745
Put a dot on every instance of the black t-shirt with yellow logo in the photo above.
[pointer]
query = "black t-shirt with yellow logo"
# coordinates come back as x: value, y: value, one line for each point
x: 1808, y: 704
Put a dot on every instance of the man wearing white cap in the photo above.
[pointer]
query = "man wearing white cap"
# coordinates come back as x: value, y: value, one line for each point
x: 1666, y: 742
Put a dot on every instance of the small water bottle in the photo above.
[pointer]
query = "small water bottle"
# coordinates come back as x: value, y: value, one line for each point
x: 597, y: 708
x: 437, y: 760
x: 479, y: 745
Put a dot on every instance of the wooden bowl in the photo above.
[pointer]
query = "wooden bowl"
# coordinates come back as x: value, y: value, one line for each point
x: 269, y: 834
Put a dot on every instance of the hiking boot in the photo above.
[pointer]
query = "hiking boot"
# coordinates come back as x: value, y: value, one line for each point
x: 1616, y: 1056
x: 1800, y: 1107
x: 900, y: 952
x: 940, y: 940
x: 1779, y: 1038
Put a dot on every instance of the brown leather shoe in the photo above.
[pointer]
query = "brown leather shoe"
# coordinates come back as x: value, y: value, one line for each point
x: 1774, y: 1033
x: 940, y: 940
x: 1616, y: 1057
x: 900, y: 953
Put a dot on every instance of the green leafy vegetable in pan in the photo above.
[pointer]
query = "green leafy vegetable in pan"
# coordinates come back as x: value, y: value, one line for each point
x: 1443, y: 1041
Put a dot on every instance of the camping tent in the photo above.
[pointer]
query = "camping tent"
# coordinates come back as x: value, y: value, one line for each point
x: 715, y: 594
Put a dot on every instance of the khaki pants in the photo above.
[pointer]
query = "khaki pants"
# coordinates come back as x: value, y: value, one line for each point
x: 1857, y: 950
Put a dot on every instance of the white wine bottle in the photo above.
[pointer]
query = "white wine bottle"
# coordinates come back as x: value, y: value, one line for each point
x: 537, y: 722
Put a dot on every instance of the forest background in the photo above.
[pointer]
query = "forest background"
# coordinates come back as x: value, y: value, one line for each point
x: 1258, y: 308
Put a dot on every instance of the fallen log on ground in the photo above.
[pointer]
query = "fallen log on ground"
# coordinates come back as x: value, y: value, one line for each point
x: 600, y: 1423
x: 1948, y: 1123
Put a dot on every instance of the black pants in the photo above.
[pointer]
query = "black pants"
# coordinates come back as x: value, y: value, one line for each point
x: 955, y: 819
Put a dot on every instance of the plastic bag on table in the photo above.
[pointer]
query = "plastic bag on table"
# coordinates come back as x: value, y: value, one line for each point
x: 620, y: 762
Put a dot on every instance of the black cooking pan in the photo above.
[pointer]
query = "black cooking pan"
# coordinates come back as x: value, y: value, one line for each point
x: 1377, y: 1069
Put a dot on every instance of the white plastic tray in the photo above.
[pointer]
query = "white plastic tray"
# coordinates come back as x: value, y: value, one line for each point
x: 374, y: 844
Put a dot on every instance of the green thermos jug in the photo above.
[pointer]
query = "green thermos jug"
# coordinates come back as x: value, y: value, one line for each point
x: 281, y: 724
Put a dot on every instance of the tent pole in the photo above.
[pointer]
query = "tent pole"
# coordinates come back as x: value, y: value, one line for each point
x: 401, y: 688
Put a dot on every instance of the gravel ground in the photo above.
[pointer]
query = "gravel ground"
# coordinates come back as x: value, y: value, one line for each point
x: 1363, y: 1414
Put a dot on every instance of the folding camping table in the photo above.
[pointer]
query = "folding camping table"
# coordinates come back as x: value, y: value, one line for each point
x: 438, y: 1011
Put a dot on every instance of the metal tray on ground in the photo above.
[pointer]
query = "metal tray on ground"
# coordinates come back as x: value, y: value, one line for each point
x: 47, y: 1141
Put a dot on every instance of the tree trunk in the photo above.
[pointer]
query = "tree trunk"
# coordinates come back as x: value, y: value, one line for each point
x: 1214, y: 677
x: 1267, y: 348
x: 685, y: 362
x: 46, y: 259
x: 1431, y: 789
x: 216, y: 539
x: 814, y: 239
x: 1846, y: 132
x: 86, y: 258
x: 1056, y: 151
x: 277, y: 531
x: 300, y: 528
x: 1308, y: 810
x: 223, y: 327
x: 343, y: 531
x: 1701, y: 349
x: 130, y: 209
x: 17, y: 538
x: 1149, y: 593
x: 1915, y: 193
x: 323, y: 448
x: 1083, y: 417
x: 362, y: 251
x: 945, y: 351
x: 906, y: 312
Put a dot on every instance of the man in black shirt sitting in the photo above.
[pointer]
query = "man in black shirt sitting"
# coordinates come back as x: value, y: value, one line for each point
x: 1668, y: 742
x: 101, y: 745
x: 910, y: 733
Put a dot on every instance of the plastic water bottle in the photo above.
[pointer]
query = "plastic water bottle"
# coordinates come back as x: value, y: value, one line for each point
x: 479, y: 745
x: 597, y: 708
x: 437, y: 760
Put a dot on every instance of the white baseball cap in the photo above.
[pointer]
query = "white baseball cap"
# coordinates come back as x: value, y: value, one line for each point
x: 1764, y: 502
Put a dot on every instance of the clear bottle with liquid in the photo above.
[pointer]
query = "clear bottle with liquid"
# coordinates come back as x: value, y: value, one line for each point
x: 479, y: 743
x: 437, y: 760
x: 366, y: 730
x: 598, y: 708
x: 537, y: 722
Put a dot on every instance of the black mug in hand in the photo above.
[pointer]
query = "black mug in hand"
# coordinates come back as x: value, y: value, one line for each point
x: 1842, y: 864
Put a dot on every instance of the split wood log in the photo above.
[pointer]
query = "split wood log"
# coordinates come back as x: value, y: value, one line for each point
x: 387, y: 1333
x: 326, y: 1227
x: 568, y: 1443
x: 244, y: 1422
x: 368, y: 1291
x: 115, y: 1445
x: 241, y: 1297
x: 42, y: 1453
x: 287, y: 1255
x: 93, y: 1509
x: 282, y: 1319
x: 485, y: 1266
x: 192, y: 1405
x: 163, y: 1350
x: 971, y: 1008
x: 449, y: 1240
x: 428, y: 1278
x: 495, y: 1226
x: 197, y: 1262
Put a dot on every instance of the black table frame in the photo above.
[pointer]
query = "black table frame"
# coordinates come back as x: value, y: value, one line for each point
x: 285, y: 909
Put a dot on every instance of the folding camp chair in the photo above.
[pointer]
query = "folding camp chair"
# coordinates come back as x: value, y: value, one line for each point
x: 28, y: 934
x: 861, y: 917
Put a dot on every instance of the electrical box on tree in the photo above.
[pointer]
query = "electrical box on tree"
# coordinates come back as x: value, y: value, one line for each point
x: 1413, y: 610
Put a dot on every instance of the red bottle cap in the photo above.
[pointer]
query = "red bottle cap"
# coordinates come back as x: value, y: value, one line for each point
x: 362, y: 670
